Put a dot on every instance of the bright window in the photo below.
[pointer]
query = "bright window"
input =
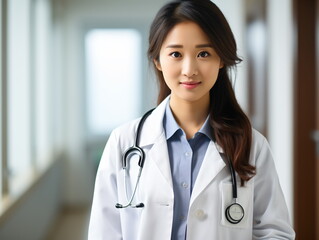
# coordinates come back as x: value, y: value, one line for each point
x: 26, y: 102
x: 43, y: 90
x: 113, y: 69
x: 19, y: 91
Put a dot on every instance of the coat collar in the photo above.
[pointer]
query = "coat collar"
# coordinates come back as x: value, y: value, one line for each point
x: 153, y: 127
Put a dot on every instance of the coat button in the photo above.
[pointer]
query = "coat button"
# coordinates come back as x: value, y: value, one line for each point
x: 199, y: 214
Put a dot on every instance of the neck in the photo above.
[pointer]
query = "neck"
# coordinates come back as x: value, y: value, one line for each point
x: 190, y: 115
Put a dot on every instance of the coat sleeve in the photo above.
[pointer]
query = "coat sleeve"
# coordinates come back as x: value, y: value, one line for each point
x: 271, y: 218
x: 105, y: 219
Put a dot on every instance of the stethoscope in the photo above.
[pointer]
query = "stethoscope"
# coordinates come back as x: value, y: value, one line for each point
x: 234, y: 213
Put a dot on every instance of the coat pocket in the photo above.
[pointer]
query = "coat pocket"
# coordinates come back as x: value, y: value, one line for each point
x: 244, y: 198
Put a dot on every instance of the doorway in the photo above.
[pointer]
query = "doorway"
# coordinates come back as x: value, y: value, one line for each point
x: 306, y: 121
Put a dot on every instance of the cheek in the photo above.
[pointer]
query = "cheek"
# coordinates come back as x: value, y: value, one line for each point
x: 210, y: 72
x: 169, y: 70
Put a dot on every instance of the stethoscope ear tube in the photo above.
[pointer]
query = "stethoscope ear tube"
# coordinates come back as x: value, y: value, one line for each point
x: 140, y: 205
x: 130, y: 201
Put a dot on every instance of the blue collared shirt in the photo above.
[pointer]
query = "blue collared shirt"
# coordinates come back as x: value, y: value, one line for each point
x: 186, y: 157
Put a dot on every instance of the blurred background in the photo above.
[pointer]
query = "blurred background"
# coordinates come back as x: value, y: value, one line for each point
x: 72, y: 70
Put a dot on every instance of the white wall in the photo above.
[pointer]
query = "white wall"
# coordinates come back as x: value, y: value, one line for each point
x: 234, y: 11
x: 281, y: 92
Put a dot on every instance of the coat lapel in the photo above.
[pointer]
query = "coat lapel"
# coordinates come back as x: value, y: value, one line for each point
x: 159, y: 155
x: 153, y: 135
x: 211, y: 166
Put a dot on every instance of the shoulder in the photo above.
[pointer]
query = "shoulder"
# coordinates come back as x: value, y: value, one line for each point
x: 126, y: 127
x: 154, y: 119
x: 151, y: 128
x: 260, y: 149
x: 124, y: 134
x: 258, y: 140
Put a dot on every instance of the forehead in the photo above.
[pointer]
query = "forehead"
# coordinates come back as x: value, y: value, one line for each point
x: 186, y: 33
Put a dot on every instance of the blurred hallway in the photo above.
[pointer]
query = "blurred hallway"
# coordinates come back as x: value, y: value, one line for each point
x: 72, y: 224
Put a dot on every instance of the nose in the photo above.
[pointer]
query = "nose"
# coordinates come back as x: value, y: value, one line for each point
x: 189, y: 67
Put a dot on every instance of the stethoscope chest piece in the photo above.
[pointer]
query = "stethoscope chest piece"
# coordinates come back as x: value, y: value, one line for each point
x: 234, y: 213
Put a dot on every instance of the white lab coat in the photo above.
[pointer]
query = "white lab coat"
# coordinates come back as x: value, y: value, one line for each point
x: 266, y: 215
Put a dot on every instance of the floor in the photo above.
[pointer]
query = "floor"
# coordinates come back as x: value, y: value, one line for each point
x: 71, y: 225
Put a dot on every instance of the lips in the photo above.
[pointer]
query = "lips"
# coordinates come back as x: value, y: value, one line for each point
x: 190, y: 85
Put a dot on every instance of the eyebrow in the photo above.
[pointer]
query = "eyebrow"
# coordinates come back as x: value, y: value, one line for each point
x: 197, y: 46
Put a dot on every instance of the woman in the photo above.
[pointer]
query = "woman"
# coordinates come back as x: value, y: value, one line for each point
x: 193, y: 141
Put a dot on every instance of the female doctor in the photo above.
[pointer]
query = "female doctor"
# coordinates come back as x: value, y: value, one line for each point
x: 201, y: 171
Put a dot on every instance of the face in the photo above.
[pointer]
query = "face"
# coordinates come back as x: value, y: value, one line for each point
x: 188, y: 62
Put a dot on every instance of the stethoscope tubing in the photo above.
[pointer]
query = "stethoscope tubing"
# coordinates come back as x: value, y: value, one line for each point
x: 233, y: 178
x: 130, y: 201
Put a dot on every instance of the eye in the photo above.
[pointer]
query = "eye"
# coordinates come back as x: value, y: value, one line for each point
x: 175, y: 54
x: 203, y: 54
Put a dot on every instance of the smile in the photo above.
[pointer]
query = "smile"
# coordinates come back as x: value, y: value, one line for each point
x: 190, y: 85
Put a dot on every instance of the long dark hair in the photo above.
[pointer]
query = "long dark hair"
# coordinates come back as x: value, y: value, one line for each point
x: 231, y: 127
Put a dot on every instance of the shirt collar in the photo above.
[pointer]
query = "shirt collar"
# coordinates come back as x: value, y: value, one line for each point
x: 170, y: 125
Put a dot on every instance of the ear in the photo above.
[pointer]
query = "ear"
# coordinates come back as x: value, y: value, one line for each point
x: 221, y: 64
x: 157, y: 64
